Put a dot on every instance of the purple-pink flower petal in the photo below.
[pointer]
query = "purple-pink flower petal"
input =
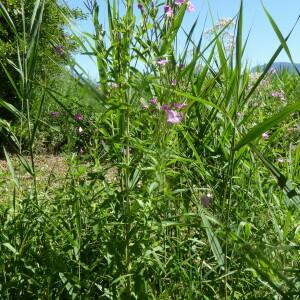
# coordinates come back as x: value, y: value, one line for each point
x: 265, y: 136
x: 145, y: 105
x: 173, y: 116
x: 190, y: 7
x: 162, y: 62
x: 54, y: 114
x: 153, y: 101
x: 165, y: 107
x: 279, y: 95
x: 174, y: 82
x: 141, y: 7
x: 78, y: 117
x: 179, y: 105
x: 168, y: 10
x: 59, y: 50
x: 179, y: 2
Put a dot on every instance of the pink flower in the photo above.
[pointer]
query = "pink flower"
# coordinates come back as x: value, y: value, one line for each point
x: 114, y: 85
x: 153, y: 101
x: 54, y: 114
x: 144, y: 106
x: 179, y: 2
x: 174, y: 82
x: 78, y: 117
x: 265, y: 136
x: 279, y: 95
x: 141, y: 7
x: 162, y: 62
x: 165, y: 107
x: 173, y: 116
x: 179, y: 105
x: 59, y: 50
x: 206, y: 199
x: 190, y: 7
x: 168, y: 10
x: 181, y: 66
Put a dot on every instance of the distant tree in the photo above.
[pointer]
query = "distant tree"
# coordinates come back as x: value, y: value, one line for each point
x: 55, y: 44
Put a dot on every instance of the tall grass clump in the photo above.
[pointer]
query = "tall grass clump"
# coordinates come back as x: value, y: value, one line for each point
x: 182, y: 182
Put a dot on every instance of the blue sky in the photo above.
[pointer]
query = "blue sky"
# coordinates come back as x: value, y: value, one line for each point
x: 262, y: 41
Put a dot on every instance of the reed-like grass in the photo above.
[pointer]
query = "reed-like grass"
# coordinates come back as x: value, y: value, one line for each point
x: 177, y: 195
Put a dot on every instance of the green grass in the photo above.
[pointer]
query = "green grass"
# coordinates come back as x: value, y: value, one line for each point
x: 204, y: 208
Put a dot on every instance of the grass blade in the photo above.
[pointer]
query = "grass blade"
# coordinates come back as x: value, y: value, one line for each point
x: 267, y: 124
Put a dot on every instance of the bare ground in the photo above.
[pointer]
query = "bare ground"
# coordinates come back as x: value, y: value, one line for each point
x: 50, y: 171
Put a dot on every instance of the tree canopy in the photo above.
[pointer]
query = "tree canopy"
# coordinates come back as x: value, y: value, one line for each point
x: 55, y: 44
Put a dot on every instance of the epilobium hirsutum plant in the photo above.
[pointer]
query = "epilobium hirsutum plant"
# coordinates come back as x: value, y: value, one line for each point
x: 173, y: 194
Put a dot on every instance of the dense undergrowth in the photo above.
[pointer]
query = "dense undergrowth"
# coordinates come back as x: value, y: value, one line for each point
x: 182, y: 176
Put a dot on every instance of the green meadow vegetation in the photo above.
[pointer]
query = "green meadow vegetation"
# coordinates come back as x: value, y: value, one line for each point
x: 175, y: 176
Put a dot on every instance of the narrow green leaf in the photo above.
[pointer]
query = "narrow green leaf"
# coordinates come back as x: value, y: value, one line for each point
x: 280, y: 37
x: 8, y: 19
x: 213, y: 241
x: 13, y: 83
x: 34, y: 13
x: 25, y: 164
x: 267, y: 124
x: 11, y: 169
x: 293, y: 197
x: 17, y: 113
x: 37, y: 118
x: 269, y: 64
x: 11, y: 248
x: 239, y: 41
